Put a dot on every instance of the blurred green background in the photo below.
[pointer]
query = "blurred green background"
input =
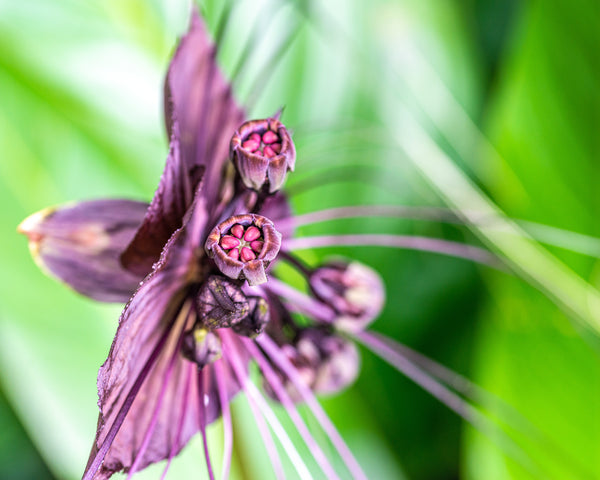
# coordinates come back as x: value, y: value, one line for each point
x: 506, y: 95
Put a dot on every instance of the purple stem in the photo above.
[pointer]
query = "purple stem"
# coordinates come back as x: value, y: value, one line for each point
x: 287, y: 403
x: 282, y: 362
x: 124, y: 410
x: 381, y: 348
x: 202, y: 418
x: 436, y: 245
x: 362, y: 211
x: 262, y: 404
x: 308, y: 305
x: 154, y: 420
x: 222, y: 380
x: 184, y: 407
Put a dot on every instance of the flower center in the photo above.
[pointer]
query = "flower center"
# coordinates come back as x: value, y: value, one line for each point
x: 242, y: 243
x: 268, y: 143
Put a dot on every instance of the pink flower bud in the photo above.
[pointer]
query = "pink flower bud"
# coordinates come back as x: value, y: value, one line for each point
x: 257, y: 245
x: 263, y: 152
x: 353, y: 290
x: 327, y: 362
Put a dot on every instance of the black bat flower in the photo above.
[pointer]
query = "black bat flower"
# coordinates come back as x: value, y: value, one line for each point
x: 194, y: 266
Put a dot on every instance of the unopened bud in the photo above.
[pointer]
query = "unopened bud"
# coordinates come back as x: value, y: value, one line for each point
x: 256, y: 321
x: 325, y: 362
x: 338, y: 360
x: 262, y: 150
x: 221, y: 303
x: 352, y: 289
x: 243, y: 246
x: 201, y: 346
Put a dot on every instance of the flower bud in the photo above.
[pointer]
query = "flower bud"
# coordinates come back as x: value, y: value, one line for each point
x: 352, y: 289
x: 254, y: 324
x: 201, y: 346
x: 326, y: 362
x: 262, y: 150
x: 243, y: 246
x: 221, y: 303
x: 336, y: 360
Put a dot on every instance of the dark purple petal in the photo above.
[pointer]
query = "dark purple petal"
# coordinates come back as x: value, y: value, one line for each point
x: 200, y: 99
x: 146, y: 319
x: 81, y: 245
x: 128, y: 385
x: 153, y: 314
x: 201, y: 115
x: 172, y: 198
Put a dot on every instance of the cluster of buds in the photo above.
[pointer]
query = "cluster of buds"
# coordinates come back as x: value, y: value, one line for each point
x: 221, y: 303
x: 243, y: 246
x: 263, y: 152
x: 353, y: 290
x: 326, y: 362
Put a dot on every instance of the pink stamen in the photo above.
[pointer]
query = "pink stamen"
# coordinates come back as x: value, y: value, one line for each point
x: 269, y: 137
x: 250, y: 145
x: 234, y: 253
x: 268, y: 152
x: 252, y: 234
x: 228, y: 242
x: 276, y: 147
x: 257, y: 245
x: 247, y: 254
x: 255, y: 137
x: 237, y: 230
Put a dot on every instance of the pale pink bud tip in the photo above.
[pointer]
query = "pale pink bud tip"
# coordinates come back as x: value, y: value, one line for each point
x: 269, y: 137
x: 257, y: 245
x: 237, y: 230
x: 252, y: 234
x: 247, y: 254
x: 228, y: 242
x: 235, y: 254
x: 255, y: 137
x: 276, y: 147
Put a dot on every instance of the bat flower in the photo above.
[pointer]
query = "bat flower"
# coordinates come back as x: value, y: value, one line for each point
x: 194, y: 268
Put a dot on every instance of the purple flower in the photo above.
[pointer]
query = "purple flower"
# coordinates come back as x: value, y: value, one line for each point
x: 193, y: 266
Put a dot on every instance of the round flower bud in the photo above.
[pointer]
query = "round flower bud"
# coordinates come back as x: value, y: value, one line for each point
x: 255, y: 322
x: 337, y: 360
x: 352, y: 289
x: 201, y: 346
x: 243, y: 246
x: 221, y: 303
x: 262, y: 150
x: 326, y: 363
